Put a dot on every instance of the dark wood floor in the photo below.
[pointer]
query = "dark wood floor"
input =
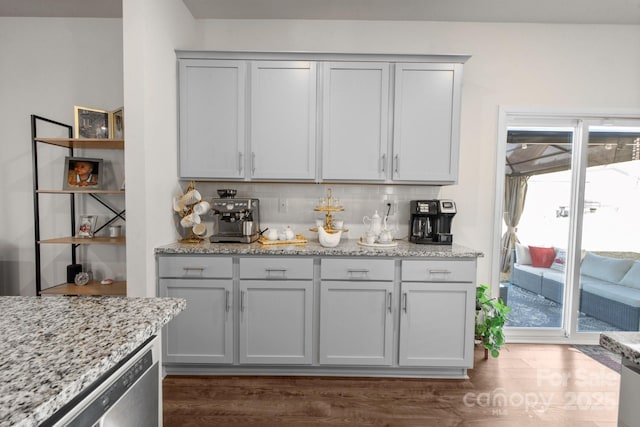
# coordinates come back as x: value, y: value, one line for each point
x: 528, y: 385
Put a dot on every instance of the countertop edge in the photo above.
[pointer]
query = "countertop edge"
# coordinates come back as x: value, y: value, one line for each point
x: 626, y: 344
x: 349, y: 248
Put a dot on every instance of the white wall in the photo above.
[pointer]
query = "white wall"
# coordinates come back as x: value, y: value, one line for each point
x: 152, y: 30
x: 50, y: 65
x: 47, y: 67
x: 551, y: 66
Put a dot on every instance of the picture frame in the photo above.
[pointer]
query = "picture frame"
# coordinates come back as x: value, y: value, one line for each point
x: 82, y: 173
x: 91, y: 123
x: 116, y: 123
x: 87, y: 227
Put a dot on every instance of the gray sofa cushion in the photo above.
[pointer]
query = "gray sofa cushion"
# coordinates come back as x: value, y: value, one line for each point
x: 632, y: 278
x: 527, y: 277
x: 622, y: 294
x: 604, y: 268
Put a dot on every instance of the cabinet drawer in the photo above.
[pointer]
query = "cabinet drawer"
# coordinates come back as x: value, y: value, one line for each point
x: 276, y: 268
x: 357, y: 269
x: 438, y: 271
x: 195, y: 267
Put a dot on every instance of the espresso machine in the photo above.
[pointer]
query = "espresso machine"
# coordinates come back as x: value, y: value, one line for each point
x: 430, y: 221
x: 235, y: 220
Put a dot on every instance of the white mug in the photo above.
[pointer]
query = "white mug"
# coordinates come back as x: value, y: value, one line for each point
x: 191, y: 197
x: 202, y: 207
x: 190, y: 220
x: 199, y: 229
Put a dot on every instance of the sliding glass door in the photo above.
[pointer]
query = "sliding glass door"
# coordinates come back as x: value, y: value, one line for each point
x: 570, y: 234
x: 609, y: 291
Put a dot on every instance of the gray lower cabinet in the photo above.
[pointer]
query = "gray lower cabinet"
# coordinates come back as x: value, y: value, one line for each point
x: 319, y: 315
x: 356, y: 312
x: 203, y: 333
x: 276, y: 310
x: 437, y: 313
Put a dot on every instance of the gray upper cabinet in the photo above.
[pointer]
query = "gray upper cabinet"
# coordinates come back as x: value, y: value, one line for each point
x: 303, y: 117
x: 212, y: 119
x: 283, y: 120
x: 426, y: 122
x: 355, y: 115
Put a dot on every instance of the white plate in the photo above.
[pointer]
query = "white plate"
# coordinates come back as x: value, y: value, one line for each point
x: 378, y: 245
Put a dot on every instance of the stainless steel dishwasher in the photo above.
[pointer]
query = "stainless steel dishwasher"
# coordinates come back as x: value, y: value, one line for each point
x: 129, y: 396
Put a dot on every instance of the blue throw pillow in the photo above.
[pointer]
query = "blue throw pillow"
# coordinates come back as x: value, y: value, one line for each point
x: 605, y: 268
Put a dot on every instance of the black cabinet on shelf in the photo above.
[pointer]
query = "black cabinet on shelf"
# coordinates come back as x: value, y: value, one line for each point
x: 98, y: 194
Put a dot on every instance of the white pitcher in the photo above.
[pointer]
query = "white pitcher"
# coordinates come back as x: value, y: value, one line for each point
x: 375, y: 223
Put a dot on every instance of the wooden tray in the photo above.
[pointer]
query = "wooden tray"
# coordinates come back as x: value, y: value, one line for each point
x: 299, y: 240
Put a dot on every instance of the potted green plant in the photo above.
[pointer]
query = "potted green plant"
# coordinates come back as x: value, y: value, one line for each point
x: 491, y: 315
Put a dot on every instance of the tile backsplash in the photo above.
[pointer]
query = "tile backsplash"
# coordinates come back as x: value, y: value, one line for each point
x: 300, y: 200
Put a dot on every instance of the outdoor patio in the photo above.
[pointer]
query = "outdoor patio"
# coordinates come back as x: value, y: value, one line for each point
x: 535, y: 311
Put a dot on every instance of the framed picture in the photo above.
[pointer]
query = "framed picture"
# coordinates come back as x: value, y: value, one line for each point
x: 87, y: 226
x: 117, y: 123
x: 91, y: 123
x: 82, y: 173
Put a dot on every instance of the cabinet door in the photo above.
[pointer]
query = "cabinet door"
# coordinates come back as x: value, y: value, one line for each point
x: 355, y: 117
x: 203, y: 332
x: 356, y: 323
x: 212, y: 118
x: 426, y: 122
x: 283, y: 120
x: 437, y: 324
x: 276, y: 322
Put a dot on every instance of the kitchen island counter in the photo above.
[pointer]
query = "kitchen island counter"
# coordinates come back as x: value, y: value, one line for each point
x: 55, y: 347
x: 349, y: 248
x: 626, y: 344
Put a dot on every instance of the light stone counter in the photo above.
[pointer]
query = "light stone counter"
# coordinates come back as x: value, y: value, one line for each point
x: 626, y: 344
x: 313, y: 248
x: 54, y: 347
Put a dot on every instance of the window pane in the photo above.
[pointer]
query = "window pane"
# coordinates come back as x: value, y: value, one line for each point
x: 609, y: 282
x: 538, y: 184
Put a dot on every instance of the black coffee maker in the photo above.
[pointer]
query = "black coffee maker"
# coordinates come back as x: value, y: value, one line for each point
x: 430, y: 221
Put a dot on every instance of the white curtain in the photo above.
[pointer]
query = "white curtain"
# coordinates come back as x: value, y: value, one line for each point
x: 515, y: 193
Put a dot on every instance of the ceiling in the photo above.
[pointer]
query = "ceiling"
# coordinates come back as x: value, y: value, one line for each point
x: 538, y: 11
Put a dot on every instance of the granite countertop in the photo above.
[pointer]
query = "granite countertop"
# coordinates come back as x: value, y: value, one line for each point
x: 54, y: 347
x: 626, y: 344
x: 348, y: 247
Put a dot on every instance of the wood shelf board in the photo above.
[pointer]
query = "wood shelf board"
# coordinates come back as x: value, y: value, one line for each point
x: 97, y: 240
x: 81, y: 191
x: 111, y: 144
x: 91, y: 288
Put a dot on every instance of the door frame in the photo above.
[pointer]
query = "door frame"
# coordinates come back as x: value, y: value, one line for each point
x: 567, y: 333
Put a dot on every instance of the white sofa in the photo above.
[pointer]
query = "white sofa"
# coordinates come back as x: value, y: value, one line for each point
x: 610, y: 287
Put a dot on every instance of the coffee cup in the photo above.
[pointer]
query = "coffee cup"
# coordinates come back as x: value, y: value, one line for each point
x: 202, y: 207
x: 191, y: 197
x: 199, y: 229
x: 190, y: 220
x: 339, y: 224
x: 114, y: 230
x: 370, y: 238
